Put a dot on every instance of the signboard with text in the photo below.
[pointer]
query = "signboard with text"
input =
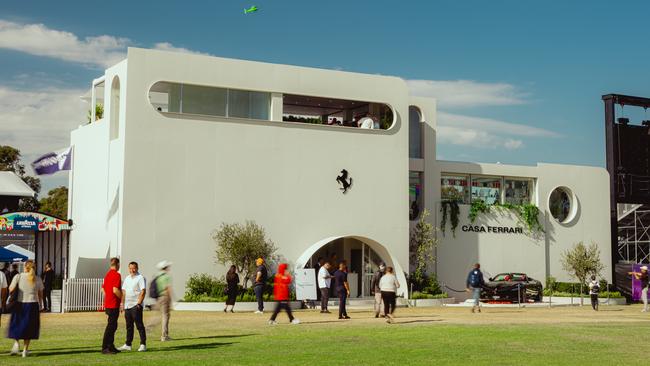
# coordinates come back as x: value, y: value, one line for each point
x: 305, y: 284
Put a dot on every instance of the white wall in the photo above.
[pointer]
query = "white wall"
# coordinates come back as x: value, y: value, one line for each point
x: 184, y: 176
x: 539, y: 257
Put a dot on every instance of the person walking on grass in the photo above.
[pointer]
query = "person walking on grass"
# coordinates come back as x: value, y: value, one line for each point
x: 281, y: 284
x: 324, y: 282
x: 25, y: 321
x: 474, y: 284
x: 594, y: 289
x: 643, y: 277
x: 112, y: 287
x: 342, y: 289
x: 388, y: 286
x: 134, y: 290
x: 232, y: 280
x: 164, y: 295
x: 48, y: 282
x: 376, y: 291
x: 261, y: 275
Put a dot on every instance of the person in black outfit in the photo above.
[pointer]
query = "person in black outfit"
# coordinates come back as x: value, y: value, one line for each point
x: 260, y: 281
x: 342, y: 289
x: 12, y: 273
x: 232, y: 279
x: 48, y: 282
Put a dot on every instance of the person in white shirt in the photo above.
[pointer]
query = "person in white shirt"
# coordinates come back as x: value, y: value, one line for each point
x: 134, y: 289
x: 366, y: 122
x: 388, y: 285
x: 324, y: 282
x: 594, y: 289
x: 3, y: 292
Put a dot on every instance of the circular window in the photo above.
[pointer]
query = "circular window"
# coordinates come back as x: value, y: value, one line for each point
x: 561, y: 204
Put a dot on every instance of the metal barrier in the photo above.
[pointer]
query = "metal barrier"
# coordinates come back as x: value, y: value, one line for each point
x: 82, y: 294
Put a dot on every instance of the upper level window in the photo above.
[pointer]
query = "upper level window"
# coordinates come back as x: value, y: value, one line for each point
x: 209, y: 101
x: 455, y: 187
x: 336, y: 112
x: 415, y: 195
x: 415, y: 133
x: 487, y: 189
x: 518, y: 191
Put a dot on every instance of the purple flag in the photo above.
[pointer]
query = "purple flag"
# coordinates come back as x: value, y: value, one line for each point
x: 53, y: 162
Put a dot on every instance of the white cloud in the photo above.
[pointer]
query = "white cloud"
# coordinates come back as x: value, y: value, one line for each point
x: 37, y: 122
x: 467, y: 93
x: 456, y: 129
x: 166, y: 46
x: 39, y: 40
x: 492, y: 125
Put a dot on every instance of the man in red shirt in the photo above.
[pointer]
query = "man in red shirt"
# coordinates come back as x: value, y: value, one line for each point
x: 112, y: 287
x: 281, y: 285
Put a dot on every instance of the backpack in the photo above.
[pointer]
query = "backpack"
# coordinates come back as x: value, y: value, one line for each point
x: 595, y: 288
x: 153, y: 288
x: 475, y: 278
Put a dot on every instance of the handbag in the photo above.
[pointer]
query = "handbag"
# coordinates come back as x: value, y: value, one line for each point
x: 13, y: 298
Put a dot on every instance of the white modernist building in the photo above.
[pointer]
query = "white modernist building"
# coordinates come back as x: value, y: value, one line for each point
x: 188, y: 142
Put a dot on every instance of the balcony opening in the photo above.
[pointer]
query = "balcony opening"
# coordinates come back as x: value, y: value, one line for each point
x: 336, y: 112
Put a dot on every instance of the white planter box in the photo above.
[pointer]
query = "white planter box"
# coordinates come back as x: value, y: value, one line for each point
x: 432, y: 302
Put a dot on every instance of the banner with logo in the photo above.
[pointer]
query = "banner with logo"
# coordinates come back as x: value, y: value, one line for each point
x: 53, y: 162
x: 32, y: 221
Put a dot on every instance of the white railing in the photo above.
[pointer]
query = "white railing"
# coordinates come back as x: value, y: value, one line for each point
x: 82, y: 294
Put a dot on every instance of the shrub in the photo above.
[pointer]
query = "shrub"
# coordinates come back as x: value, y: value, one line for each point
x: 420, y: 295
x: 204, y: 285
x: 427, y: 285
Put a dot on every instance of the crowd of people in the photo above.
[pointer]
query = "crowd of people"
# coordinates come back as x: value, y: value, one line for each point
x: 26, y: 295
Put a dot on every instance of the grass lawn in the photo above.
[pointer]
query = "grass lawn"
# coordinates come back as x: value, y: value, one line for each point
x: 441, y: 336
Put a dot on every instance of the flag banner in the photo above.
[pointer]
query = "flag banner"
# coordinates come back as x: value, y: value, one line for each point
x: 53, y: 162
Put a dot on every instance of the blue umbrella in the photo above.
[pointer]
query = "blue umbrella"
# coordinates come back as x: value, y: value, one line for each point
x: 7, y: 255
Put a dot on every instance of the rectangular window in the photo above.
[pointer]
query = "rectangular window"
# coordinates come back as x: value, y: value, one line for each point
x: 203, y: 100
x: 248, y: 104
x: 455, y: 187
x: 487, y: 189
x: 518, y: 191
x: 415, y: 194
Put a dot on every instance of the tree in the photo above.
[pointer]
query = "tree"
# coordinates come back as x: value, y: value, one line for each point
x: 421, y: 245
x: 241, y: 245
x: 582, y: 261
x: 56, y: 202
x: 10, y: 161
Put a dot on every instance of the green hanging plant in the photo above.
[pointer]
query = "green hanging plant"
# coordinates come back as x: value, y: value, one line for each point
x: 477, y: 207
x: 528, y: 214
x: 449, y: 208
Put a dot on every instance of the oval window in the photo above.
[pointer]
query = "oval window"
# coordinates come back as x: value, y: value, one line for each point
x: 561, y: 204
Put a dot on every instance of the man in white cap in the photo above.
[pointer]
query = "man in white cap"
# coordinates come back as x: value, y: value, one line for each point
x: 163, y: 283
x: 643, y: 277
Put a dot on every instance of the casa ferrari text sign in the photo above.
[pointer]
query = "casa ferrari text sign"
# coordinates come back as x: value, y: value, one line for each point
x: 492, y: 229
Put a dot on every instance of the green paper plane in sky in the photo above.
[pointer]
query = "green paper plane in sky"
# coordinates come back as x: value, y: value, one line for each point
x: 251, y: 9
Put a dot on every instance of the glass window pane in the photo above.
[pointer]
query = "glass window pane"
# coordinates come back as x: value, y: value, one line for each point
x: 487, y: 189
x: 518, y: 192
x: 415, y: 194
x: 415, y: 134
x: 260, y: 105
x: 455, y: 187
x: 560, y: 204
x: 239, y: 103
x: 204, y: 100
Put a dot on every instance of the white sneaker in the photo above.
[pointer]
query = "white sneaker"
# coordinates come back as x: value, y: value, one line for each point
x: 259, y: 312
x: 142, y: 348
x: 124, y: 348
x: 25, y: 353
x: 272, y: 322
x: 644, y: 310
x: 15, y: 349
x: 295, y: 321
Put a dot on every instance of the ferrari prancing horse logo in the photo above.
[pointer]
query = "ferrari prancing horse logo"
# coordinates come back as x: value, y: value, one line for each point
x: 343, y: 181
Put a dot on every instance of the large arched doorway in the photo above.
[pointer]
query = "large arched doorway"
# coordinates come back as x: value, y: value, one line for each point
x: 362, y: 255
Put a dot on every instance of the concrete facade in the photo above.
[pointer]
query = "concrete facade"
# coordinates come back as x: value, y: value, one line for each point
x: 149, y: 185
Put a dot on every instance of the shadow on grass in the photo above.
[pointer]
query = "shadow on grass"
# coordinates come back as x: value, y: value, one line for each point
x: 216, y: 336
x: 95, y: 350
x: 417, y: 321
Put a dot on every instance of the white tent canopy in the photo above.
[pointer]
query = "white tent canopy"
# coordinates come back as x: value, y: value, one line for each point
x: 12, y: 185
x: 20, y: 250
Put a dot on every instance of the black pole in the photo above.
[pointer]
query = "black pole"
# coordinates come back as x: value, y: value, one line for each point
x: 611, y: 149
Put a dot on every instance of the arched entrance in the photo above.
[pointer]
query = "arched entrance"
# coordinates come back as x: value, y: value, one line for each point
x: 362, y: 255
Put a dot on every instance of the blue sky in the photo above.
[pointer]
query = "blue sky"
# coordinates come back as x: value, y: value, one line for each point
x: 517, y: 81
